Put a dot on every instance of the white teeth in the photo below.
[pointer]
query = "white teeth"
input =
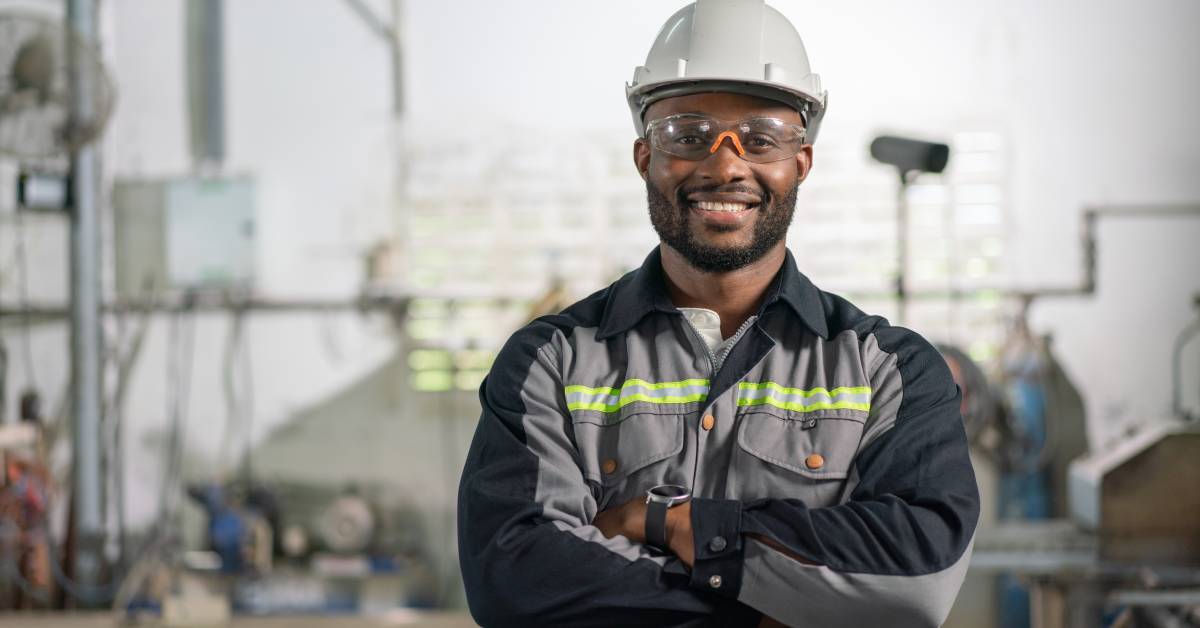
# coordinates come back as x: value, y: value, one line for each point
x: 721, y: 207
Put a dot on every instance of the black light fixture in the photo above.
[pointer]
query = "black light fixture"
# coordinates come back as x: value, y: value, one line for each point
x: 910, y: 157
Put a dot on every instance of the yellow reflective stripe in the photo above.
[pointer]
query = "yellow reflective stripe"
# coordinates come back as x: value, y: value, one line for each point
x: 603, y: 407
x: 607, y: 399
x: 636, y: 383
x: 852, y: 390
x: 802, y: 400
x: 799, y: 407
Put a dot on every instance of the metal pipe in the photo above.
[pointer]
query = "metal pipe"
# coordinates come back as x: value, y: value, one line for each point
x: 392, y: 35
x: 902, y: 295
x: 219, y: 303
x: 397, y: 58
x: 1185, y: 336
x: 85, y: 301
x: 206, y: 82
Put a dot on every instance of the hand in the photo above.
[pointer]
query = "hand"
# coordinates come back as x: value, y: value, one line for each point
x: 629, y: 520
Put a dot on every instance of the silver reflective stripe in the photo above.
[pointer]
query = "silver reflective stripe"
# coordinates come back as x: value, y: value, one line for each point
x: 800, y: 400
x: 605, y: 399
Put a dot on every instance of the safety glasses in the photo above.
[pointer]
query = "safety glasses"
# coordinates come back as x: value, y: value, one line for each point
x: 695, y: 137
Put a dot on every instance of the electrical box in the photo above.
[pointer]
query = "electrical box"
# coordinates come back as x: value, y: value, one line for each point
x: 183, y: 234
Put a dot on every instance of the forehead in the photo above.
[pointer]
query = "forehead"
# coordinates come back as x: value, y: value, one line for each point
x: 722, y: 106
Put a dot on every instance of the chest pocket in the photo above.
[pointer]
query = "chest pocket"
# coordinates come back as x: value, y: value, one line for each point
x: 818, y: 445
x: 615, y: 446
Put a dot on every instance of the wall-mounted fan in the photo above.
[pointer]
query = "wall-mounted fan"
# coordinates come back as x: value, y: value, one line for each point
x: 35, y: 120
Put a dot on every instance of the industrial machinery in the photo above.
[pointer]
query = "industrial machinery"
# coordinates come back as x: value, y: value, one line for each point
x: 1141, y: 497
x: 239, y: 531
x: 1127, y: 551
x: 25, y: 484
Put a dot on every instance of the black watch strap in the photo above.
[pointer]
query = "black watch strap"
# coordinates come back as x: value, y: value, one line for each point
x: 656, y: 525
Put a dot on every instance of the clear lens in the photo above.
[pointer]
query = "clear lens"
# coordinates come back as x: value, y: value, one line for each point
x: 759, y: 140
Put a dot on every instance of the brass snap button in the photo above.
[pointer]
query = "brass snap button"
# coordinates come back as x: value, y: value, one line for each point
x: 708, y: 422
x: 609, y: 466
x: 814, y: 461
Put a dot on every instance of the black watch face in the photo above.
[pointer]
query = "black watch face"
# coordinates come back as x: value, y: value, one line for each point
x: 671, y: 491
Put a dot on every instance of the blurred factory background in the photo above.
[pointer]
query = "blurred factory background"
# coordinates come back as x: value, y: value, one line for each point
x: 257, y: 255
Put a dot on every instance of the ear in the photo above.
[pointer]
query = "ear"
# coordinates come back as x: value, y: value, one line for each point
x: 804, y: 162
x: 641, y: 156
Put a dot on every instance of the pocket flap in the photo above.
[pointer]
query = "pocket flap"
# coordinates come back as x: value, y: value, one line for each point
x: 610, y: 453
x: 819, y: 445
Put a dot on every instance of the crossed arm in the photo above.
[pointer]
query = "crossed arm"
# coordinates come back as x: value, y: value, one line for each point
x: 534, y: 550
x: 629, y: 520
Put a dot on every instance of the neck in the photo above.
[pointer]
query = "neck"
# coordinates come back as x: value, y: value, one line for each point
x: 734, y: 296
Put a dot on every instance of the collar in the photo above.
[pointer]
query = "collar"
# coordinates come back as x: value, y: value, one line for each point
x: 644, y: 290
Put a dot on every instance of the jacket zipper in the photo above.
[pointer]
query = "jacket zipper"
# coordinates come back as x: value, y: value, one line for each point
x: 708, y: 352
x: 737, y: 335
x: 712, y: 369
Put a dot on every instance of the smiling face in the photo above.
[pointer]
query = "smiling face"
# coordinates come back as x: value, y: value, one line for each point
x: 721, y: 213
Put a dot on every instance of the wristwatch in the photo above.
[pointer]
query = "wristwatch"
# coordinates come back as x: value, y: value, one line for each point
x: 658, y: 500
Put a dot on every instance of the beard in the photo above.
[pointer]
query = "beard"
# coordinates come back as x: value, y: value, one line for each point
x: 674, y: 228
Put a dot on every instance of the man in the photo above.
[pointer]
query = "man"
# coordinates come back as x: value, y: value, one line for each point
x: 712, y: 440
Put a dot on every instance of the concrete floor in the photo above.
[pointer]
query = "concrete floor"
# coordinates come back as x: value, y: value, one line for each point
x: 105, y: 620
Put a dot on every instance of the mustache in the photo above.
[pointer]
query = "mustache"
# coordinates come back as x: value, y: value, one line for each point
x: 729, y: 188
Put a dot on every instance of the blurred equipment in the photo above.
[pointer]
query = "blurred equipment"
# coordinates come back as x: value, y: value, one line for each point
x: 43, y: 192
x: 55, y: 100
x: 910, y: 157
x: 183, y: 234
x: 1142, y: 498
x: 979, y: 406
x: 740, y: 46
x: 1130, y: 550
x: 1041, y: 428
x: 347, y: 525
x: 25, y: 573
x: 1029, y: 426
x: 35, y: 108
x: 239, y: 531
x: 1042, y: 432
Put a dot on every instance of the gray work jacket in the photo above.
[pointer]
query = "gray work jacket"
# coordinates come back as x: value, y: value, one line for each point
x: 825, y: 429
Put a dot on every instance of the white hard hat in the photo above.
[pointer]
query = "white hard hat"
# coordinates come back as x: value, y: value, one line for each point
x: 741, y: 46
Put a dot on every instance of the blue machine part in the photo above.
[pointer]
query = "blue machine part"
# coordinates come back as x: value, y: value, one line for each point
x: 1024, y: 491
x: 228, y: 528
